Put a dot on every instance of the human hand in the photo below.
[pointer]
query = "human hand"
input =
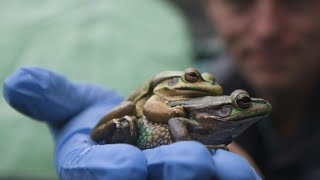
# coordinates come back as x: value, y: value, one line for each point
x: 72, y: 109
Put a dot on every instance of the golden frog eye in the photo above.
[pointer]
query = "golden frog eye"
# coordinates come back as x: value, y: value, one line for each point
x: 191, y: 75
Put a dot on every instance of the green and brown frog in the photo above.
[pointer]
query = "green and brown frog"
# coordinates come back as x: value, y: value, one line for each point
x: 212, y: 120
x: 216, y: 120
x: 151, y: 99
x: 204, y: 116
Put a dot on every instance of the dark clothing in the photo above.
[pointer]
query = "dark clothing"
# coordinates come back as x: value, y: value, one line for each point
x: 294, y: 157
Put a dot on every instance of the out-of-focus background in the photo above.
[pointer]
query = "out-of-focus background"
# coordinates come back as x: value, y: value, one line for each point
x: 116, y: 44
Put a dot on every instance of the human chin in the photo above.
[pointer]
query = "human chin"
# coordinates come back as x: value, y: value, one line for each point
x: 268, y: 81
x: 265, y: 75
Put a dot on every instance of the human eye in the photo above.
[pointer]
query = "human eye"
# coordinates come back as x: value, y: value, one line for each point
x: 239, y: 5
x: 298, y: 5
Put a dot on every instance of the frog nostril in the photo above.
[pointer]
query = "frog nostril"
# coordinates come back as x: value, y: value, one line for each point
x: 213, y: 82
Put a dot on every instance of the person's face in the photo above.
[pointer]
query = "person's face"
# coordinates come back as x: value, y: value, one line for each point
x: 275, y: 43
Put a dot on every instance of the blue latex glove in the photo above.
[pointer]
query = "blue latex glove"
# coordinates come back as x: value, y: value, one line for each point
x: 72, y: 109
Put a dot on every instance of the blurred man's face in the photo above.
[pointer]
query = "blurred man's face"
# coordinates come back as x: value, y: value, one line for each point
x: 275, y: 43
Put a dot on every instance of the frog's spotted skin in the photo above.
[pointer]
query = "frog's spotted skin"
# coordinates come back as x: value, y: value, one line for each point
x: 151, y: 135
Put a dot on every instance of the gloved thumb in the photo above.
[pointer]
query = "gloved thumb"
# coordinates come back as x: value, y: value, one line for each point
x: 44, y: 95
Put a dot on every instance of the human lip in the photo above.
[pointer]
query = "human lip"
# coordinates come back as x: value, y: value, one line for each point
x: 268, y: 61
x: 270, y: 55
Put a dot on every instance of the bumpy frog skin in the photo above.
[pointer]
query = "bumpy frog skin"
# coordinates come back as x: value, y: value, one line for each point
x: 150, y: 100
x: 212, y: 120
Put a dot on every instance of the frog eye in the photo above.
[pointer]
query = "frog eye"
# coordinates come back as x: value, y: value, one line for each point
x: 191, y: 75
x: 243, y: 101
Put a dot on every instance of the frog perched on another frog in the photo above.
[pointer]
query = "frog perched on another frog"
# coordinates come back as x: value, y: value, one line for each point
x: 212, y: 120
x: 151, y: 99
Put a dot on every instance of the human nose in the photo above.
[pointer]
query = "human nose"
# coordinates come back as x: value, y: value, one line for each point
x: 267, y: 20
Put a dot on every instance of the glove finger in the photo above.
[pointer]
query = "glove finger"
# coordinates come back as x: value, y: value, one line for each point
x: 45, y: 95
x: 181, y: 160
x: 80, y: 159
x: 229, y: 165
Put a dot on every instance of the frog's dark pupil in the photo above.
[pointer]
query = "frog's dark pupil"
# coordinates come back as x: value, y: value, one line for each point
x: 192, y: 74
x: 245, y: 99
x: 191, y: 77
x: 244, y: 102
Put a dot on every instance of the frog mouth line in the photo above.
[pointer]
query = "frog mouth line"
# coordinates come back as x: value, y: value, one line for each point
x: 247, y: 120
x: 199, y: 92
x: 240, y: 120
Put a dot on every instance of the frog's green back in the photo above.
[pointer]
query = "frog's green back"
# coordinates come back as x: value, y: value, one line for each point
x: 142, y: 90
x: 112, y: 43
x: 147, y: 87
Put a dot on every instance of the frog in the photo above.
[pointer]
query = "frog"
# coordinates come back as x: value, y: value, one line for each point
x: 214, y: 121
x: 150, y: 100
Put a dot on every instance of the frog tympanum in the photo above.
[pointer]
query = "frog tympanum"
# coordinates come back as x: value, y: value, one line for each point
x: 176, y: 106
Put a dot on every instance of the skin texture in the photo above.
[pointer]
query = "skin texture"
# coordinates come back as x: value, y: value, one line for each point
x: 273, y: 42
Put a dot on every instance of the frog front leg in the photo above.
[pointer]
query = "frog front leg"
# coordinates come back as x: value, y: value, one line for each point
x: 178, y: 128
x: 125, y: 108
x: 125, y: 131
x: 156, y: 109
x: 118, y: 130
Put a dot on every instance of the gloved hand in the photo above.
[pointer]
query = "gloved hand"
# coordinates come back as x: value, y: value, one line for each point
x: 72, y: 109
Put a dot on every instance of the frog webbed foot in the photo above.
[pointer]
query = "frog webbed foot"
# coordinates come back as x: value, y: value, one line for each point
x: 178, y: 111
x: 118, y: 130
x: 125, y: 131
